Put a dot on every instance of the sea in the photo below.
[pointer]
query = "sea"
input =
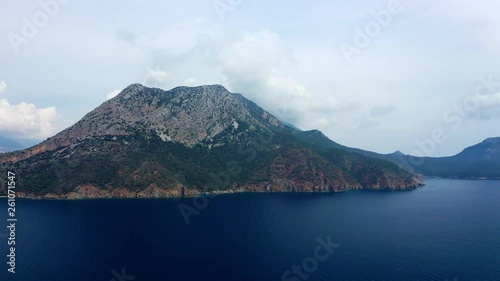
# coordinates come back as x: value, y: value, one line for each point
x: 447, y: 230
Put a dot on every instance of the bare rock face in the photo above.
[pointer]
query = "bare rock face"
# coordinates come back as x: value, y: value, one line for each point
x: 148, y: 142
x: 184, y: 115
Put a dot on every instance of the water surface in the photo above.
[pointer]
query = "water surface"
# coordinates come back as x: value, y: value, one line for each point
x: 448, y: 229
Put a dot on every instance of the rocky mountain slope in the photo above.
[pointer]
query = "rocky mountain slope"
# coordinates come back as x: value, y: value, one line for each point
x: 148, y: 142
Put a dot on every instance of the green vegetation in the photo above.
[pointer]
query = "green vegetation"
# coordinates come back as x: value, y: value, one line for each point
x: 137, y: 161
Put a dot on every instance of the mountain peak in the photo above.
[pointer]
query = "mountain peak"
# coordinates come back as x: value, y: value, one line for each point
x: 398, y: 152
x: 133, y: 86
x: 131, y: 90
x: 190, y: 116
x: 214, y: 88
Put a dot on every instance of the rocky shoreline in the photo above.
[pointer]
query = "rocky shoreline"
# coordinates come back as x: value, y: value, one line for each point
x: 152, y: 192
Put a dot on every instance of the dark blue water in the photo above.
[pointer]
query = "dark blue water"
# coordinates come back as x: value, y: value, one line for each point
x: 448, y: 230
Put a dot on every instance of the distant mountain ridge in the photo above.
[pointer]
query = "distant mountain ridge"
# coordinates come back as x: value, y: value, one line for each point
x: 480, y: 161
x: 7, y: 144
x: 147, y: 142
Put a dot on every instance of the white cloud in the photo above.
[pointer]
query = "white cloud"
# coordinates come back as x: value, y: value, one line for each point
x: 488, y: 107
x: 490, y: 101
x: 3, y: 86
x: 25, y: 120
x: 256, y: 65
x: 158, y: 75
x: 155, y: 78
x: 190, y: 81
x: 113, y: 94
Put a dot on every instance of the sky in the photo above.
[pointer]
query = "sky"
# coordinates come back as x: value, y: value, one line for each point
x: 422, y: 77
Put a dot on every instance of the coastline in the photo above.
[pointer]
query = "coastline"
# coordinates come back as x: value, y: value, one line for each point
x: 197, y: 194
x: 82, y: 193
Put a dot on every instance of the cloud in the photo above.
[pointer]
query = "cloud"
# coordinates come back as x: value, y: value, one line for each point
x: 251, y: 63
x: 256, y: 64
x: 368, y: 123
x: 113, y: 94
x: 306, y: 85
x: 190, y: 82
x: 490, y: 101
x: 25, y: 120
x: 126, y: 35
x: 293, y: 69
x: 3, y: 86
x: 488, y: 107
x: 382, y: 110
x: 155, y: 78
x: 374, y: 117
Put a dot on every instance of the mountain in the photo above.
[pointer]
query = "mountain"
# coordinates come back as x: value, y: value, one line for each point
x: 148, y: 142
x: 481, y: 161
